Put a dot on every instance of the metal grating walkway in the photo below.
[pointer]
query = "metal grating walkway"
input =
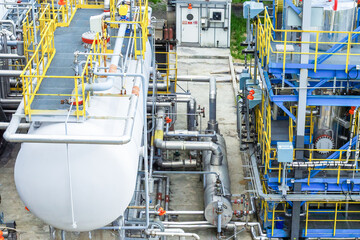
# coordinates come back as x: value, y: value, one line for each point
x: 67, y: 41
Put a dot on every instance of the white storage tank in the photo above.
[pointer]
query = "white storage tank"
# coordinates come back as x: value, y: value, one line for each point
x: 82, y: 187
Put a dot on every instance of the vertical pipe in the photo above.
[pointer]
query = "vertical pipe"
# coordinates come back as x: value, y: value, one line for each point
x: 191, y: 115
x: 167, y: 197
x: 212, y: 123
x: 33, y: 18
x: 219, y: 223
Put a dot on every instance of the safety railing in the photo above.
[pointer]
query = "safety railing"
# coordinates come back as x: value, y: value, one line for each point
x: 41, y: 59
x: 29, y: 34
x: 319, y: 50
x: 139, y: 23
x: 168, y: 71
x: 272, y: 215
x: 331, y: 214
x: 90, y: 4
x: 326, y: 217
x: 339, y: 162
x: 61, y: 11
x: 263, y: 117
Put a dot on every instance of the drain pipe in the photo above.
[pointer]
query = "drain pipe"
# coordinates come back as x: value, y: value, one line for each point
x: 159, y: 142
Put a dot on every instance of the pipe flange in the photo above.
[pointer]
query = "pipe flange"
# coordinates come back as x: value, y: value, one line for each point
x: 324, y: 142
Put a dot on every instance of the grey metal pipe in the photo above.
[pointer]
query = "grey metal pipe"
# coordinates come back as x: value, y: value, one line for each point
x: 171, y: 234
x: 22, y: 126
x: 159, y: 104
x: 216, y: 158
x: 191, y: 114
x: 10, y: 73
x: 194, y: 78
x: 212, y: 123
x: 167, y: 197
x: 11, y: 56
x: 10, y: 101
x: 186, y: 163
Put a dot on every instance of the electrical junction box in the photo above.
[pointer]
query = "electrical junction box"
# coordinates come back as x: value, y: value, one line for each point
x: 216, y: 15
x: 285, y: 152
x: 204, y: 22
x: 96, y: 23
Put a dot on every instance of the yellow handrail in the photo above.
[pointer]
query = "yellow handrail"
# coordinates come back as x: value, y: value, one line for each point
x: 266, y: 40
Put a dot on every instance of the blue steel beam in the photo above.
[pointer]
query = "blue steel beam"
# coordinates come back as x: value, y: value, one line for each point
x: 322, y: 70
x: 293, y: 7
x: 313, y: 100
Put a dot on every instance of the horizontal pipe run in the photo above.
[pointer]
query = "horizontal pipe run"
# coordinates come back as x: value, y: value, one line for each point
x: 10, y: 73
x: 185, y: 172
x: 186, y: 133
x: 22, y: 126
x: 186, y: 163
x: 11, y: 56
x: 170, y: 234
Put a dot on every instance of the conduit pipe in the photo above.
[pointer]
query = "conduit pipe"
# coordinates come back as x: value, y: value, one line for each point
x: 159, y: 142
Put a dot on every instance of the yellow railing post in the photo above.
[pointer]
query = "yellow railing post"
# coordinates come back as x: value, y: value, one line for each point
x: 307, y: 218
x: 336, y: 210
x: 316, y: 50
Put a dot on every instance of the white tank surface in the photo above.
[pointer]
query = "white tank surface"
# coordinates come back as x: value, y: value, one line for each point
x: 102, y: 178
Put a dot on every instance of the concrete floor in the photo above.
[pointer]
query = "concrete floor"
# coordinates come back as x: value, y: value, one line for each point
x: 186, y: 191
